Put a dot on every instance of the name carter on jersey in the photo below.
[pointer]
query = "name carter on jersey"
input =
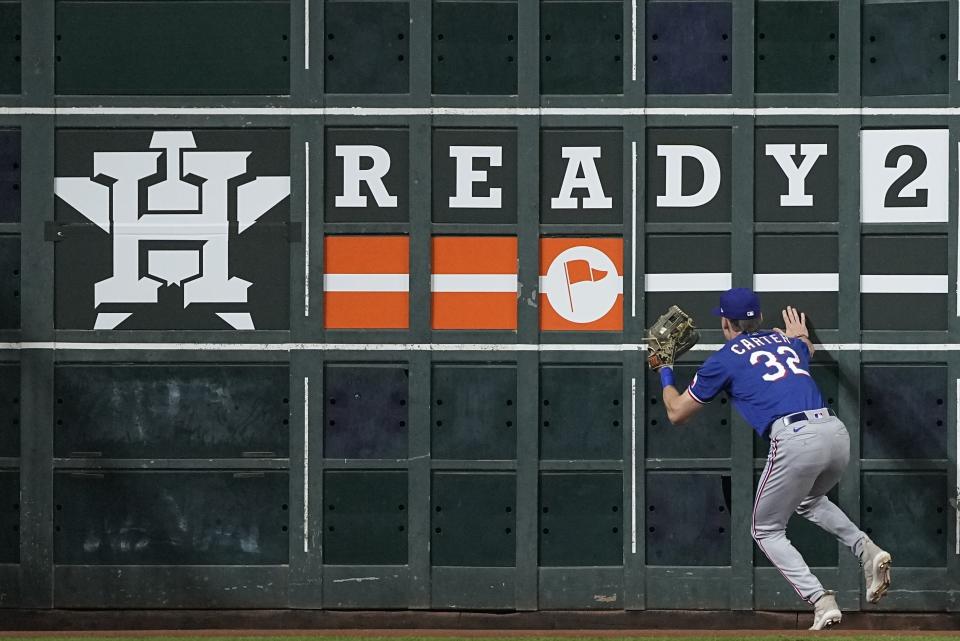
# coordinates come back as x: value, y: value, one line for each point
x: 744, y: 345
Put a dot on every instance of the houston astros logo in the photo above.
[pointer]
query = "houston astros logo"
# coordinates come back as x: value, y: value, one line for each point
x: 582, y: 284
x: 189, y: 211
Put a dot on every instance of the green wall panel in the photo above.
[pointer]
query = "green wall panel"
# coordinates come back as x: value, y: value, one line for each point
x: 907, y: 514
x: 473, y: 412
x: 577, y: 507
x: 581, y: 47
x: 796, y: 47
x: 475, y: 47
x: 10, y: 39
x: 580, y: 413
x: 365, y: 517
x: 367, y: 47
x: 473, y: 519
x: 905, y: 48
x: 173, y: 47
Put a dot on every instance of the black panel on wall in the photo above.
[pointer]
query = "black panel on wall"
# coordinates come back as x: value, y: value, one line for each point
x: 365, y: 517
x: 173, y: 230
x: 9, y: 174
x: 10, y: 516
x: 778, y: 258
x: 10, y: 39
x: 380, y: 200
x: 703, y: 253
x: 907, y: 514
x: 904, y: 411
x: 171, y: 518
x: 172, y: 411
x: 473, y: 522
x: 699, y: 199
x: 173, y: 47
x: 901, y: 308
x: 577, y: 507
x: 796, y: 47
x: 367, y: 47
x: 689, y: 47
x: 706, y: 435
x: 473, y: 412
x: 9, y: 282
x: 500, y: 173
x: 581, y: 47
x: 475, y: 47
x: 580, y: 412
x: 365, y: 411
x: 773, y: 200
x: 905, y: 48
x: 688, y: 519
x: 591, y: 162
x: 10, y: 409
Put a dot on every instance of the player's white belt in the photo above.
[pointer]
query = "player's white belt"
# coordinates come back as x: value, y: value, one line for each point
x: 812, y: 416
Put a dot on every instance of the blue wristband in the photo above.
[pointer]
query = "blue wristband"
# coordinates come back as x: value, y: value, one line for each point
x: 666, y: 376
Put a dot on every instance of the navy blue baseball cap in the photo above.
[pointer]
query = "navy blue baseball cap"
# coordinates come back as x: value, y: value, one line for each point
x: 739, y: 303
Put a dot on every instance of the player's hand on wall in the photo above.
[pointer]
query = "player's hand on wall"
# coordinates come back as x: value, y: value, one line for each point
x: 794, y: 322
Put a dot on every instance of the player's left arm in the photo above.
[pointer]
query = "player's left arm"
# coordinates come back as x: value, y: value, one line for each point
x: 680, y: 407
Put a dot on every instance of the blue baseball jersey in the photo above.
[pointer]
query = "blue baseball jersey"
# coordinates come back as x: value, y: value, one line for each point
x: 766, y: 375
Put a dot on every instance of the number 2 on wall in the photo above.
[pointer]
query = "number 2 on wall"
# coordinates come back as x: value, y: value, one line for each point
x: 772, y: 363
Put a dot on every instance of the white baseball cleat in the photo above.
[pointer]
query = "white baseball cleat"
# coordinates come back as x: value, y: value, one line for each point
x: 876, y: 570
x: 826, y: 613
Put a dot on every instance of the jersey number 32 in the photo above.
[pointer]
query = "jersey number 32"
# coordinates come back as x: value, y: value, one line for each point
x: 777, y: 370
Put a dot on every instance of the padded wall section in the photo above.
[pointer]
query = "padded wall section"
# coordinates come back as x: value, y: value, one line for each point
x: 581, y: 176
x: 172, y: 411
x: 903, y: 411
x: 576, y: 507
x: 10, y: 410
x: 10, y: 38
x: 581, y: 47
x: 367, y: 47
x: 492, y: 193
x: 173, y: 47
x: 796, y: 47
x: 819, y: 549
x: 706, y: 435
x: 580, y: 412
x: 10, y: 516
x: 365, y: 411
x: 171, y: 518
x: 890, y: 302
x: 474, y: 412
x: 682, y: 188
x: 473, y: 522
x: 905, y: 48
x: 9, y: 282
x: 692, y: 284
x: 475, y: 47
x: 785, y: 274
x: 688, y: 519
x: 689, y: 47
x: 909, y: 513
x: 365, y: 517
x: 9, y: 172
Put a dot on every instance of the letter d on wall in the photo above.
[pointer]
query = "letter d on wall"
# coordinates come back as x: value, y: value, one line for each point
x: 673, y: 195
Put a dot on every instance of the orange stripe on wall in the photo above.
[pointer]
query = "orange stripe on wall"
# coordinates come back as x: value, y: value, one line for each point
x: 551, y: 320
x: 366, y: 310
x: 461, y: 310
x: 366, y: 255
x: 474, y: 254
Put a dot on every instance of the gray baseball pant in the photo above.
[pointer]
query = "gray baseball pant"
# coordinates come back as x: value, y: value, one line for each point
x: 806, y: 460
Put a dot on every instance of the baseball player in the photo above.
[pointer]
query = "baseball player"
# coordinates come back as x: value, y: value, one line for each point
x: 766, y: 375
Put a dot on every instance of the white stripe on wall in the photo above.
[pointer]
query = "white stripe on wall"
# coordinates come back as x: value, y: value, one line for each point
x: 479, y: 283
x: 306, y: 463
x: 796, y: 282
x: 693, y: 282
x: 543, y: 280
x: 366, y: 282
x: 904, y: 283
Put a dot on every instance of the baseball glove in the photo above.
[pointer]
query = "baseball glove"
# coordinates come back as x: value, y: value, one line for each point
x: 673, y: 334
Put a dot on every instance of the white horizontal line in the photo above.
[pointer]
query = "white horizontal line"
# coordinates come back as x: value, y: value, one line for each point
x: 796, y: 282
x: 543, y: 284
x: 904, y: 284
x: 439, y: 347
x: 366, y: 282
x: 479, y: 111
x: 477, y: 283
x: 692, y: 282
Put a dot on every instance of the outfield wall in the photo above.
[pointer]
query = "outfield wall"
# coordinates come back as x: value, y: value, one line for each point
x: 340, y: 304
